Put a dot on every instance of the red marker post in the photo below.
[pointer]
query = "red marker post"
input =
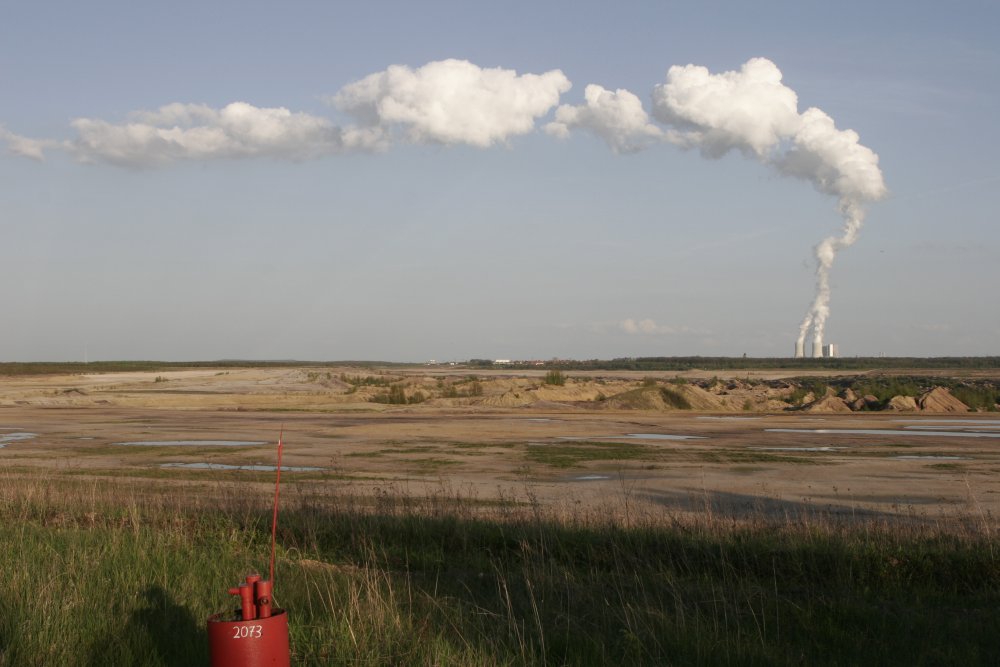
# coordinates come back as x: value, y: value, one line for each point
x: 256, y: 634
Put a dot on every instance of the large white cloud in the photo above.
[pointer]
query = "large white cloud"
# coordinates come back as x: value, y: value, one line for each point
x: 198, y: 132
x: 449, y: 102
x: 617, y: 117
x: 749, y: 109
x: 453, y: 101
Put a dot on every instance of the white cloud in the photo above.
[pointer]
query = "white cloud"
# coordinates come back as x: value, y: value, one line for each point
x: 450, y: 101
x: 833, y: 160
x: 23, y: 146
x: 453, y: 101
x: 649, y: 327
x: 749, y: 109
x: 198, y: 132
x: 617, y: 117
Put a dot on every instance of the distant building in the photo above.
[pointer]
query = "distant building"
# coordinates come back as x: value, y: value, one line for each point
x: 502, y: 361
x: 830, y: 350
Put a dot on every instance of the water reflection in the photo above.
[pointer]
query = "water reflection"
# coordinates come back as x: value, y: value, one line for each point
x: 226, y: 466
x: 16, y: 437
x: 886, y: 431
x: 192, y: 443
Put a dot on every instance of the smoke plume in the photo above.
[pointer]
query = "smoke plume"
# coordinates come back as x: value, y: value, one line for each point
x: 453, y: 101
x: 617, y: 117
x: 749, y: 110
x: 198, y: 132
x: 444, y: 102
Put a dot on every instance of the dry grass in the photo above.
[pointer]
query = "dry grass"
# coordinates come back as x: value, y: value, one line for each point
x: 103, y: 573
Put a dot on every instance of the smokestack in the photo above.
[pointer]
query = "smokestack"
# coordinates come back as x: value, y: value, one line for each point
x: 800, y: 349
x: 818, y: 346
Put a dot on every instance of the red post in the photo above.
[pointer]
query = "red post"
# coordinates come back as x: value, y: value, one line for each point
x: 256, y: 634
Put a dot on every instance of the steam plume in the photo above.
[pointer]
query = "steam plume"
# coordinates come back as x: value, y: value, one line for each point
x: 198, y: 132
x: 445, y: 102
x: 453, y: 101
x: 617, y: 117
x: 749, y: 110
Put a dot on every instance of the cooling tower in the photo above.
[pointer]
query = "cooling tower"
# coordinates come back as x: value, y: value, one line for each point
x: 818, y: 347
x: 800, y: 349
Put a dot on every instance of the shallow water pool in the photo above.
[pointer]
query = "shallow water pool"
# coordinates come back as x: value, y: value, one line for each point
x: 226, y: 466
x: 886, y: 431
x: 192, y: 443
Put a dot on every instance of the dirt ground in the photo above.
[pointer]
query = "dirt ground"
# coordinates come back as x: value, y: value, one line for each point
x: 554, y: 449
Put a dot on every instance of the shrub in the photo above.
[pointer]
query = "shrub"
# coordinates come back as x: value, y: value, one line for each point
x: 555, y: 377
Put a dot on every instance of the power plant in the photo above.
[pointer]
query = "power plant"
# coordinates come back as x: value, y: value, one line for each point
x: 819, y: 350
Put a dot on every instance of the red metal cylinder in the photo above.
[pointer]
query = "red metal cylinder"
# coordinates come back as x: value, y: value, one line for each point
x: 262, y: 594
x: 247, y: 606
x: 255, y: 643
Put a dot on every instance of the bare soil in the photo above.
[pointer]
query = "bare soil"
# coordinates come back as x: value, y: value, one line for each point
x: 516, y: 438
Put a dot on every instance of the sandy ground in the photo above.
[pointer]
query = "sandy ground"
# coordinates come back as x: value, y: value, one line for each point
x: 733, y: 465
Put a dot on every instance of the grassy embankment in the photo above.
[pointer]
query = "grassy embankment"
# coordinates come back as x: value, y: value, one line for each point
x: 95, y: 573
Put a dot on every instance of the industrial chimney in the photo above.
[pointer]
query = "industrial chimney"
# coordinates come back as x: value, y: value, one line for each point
x: 818, y: 347
x: 800, y: 349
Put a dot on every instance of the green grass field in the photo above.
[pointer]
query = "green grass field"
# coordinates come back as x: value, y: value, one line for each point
x: 125, y: 573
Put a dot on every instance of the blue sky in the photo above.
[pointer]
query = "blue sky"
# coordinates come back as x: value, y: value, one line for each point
x: 533, y: 247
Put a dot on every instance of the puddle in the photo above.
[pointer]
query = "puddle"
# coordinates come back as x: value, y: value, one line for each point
x: 636, y: 436
x: 798, y: 449
x: 656, y: 436
x: 886, y: 431
x: 590, y: 478
x: 990, y: 422
x: 192, y: 443
x: 966, y: 429
x: 911, y: 457
x: 16, y: 437
x: 226, y: 466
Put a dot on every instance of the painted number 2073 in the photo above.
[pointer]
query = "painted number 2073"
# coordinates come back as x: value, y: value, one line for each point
x: 247, y: 631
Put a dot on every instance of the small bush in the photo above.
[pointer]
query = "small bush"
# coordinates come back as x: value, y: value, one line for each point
x: 555, y: 377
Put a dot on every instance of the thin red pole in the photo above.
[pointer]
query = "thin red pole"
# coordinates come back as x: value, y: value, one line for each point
x: 277, y: 489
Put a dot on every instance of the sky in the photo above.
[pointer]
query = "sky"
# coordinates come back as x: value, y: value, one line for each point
x: 409, y: 181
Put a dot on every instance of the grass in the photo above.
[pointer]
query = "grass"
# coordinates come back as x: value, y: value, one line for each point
x: 98, y: 573
x: 745, y: 456
x: 575, y: 454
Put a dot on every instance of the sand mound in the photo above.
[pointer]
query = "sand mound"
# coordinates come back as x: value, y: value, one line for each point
x: 940, y: 399
x: 698, y: 397
x: 902, y: 404
x: 828, y: 404
x: 509, y: 399
x: 672, y: 397
x: 644, y: 398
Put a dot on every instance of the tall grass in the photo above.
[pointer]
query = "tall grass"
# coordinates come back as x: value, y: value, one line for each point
x: 126, y: 574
